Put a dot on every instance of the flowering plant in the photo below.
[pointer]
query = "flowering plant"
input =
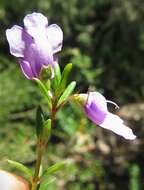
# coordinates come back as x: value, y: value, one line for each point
x: 36, y: 46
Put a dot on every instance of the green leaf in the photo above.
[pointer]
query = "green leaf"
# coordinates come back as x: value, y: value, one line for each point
x: 47, y: 130
x: 48, y: 85
x: 21, y: 167
x: 56, y: 167
x: 65, y: 75
x: 57, y: 76
x: 44, y: 185
x: 44, y: 91
x: 39, y: 121
x: 68, y: 91
x: 41, y: 170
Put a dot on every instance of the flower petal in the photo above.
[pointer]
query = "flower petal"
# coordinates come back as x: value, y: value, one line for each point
x: 36, y: 25
x: 55, y: 37
x: 38, y: 55
x: 96, y: 107
x: 26, y: 69
x: 42, y: 52
x: 115, y: 123
x: 95, y: 99
x: 35, y: 20
x: 16, y: 42
x: 96, y: 116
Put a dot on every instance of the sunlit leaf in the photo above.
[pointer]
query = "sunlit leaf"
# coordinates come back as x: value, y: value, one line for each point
x: 20, y: 167
x: 44, y: 185
x: 56, y: 167
x: 44, y: 91
x: 57, y: 77
x: 47, y: 129
x: 65, y: 75
x: 68, y: 91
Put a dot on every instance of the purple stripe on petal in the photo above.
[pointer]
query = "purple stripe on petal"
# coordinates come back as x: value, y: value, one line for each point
x: 42, y: 51
x: 30, y: 57
x: 95, y: 115
x: 26, y: 69
x: 96, y: 107
x: 38, y: 57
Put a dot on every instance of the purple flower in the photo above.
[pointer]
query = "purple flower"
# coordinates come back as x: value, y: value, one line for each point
x: 35, y: 44
x: 96, y: 110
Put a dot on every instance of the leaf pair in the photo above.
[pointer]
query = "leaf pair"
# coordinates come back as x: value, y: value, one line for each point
x: 61, y: 90
x: 47, y: 179
x: 60, y: 82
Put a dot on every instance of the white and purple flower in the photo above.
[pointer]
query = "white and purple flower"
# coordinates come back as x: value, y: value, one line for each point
x: 95, y: 107
x: 36, y: 44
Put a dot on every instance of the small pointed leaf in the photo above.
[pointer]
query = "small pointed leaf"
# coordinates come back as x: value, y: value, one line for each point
x: 39, y: 121
x: 65, y: 75
x: 47, y: 129
x: 68, y: 91
x: 57, y: 76
x: 21, y: 167
x: 44, y: 185
x: 54, y: 168
x: 44, y: 91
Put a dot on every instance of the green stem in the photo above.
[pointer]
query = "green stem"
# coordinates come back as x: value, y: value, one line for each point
x: 34, y: 186
x: 35, y: 180
x: 40, y: 150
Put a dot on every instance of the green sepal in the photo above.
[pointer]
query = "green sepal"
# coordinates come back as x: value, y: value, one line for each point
x: 21, y: 168
x: 46, y: 130
x: 44, y: 184
x: 44, y: 91
x: 39, y: 121
x: 65, y: 75
x: 46, y: 73
x: 57, y: 77
x: 54, y: 168
x: 68, y: 91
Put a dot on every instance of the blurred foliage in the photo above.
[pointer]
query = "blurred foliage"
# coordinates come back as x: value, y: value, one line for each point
x: 134, y: 180
x: 104, y: 39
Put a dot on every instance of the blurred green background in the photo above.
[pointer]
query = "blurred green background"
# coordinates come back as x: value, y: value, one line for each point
x: 104, y: 39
